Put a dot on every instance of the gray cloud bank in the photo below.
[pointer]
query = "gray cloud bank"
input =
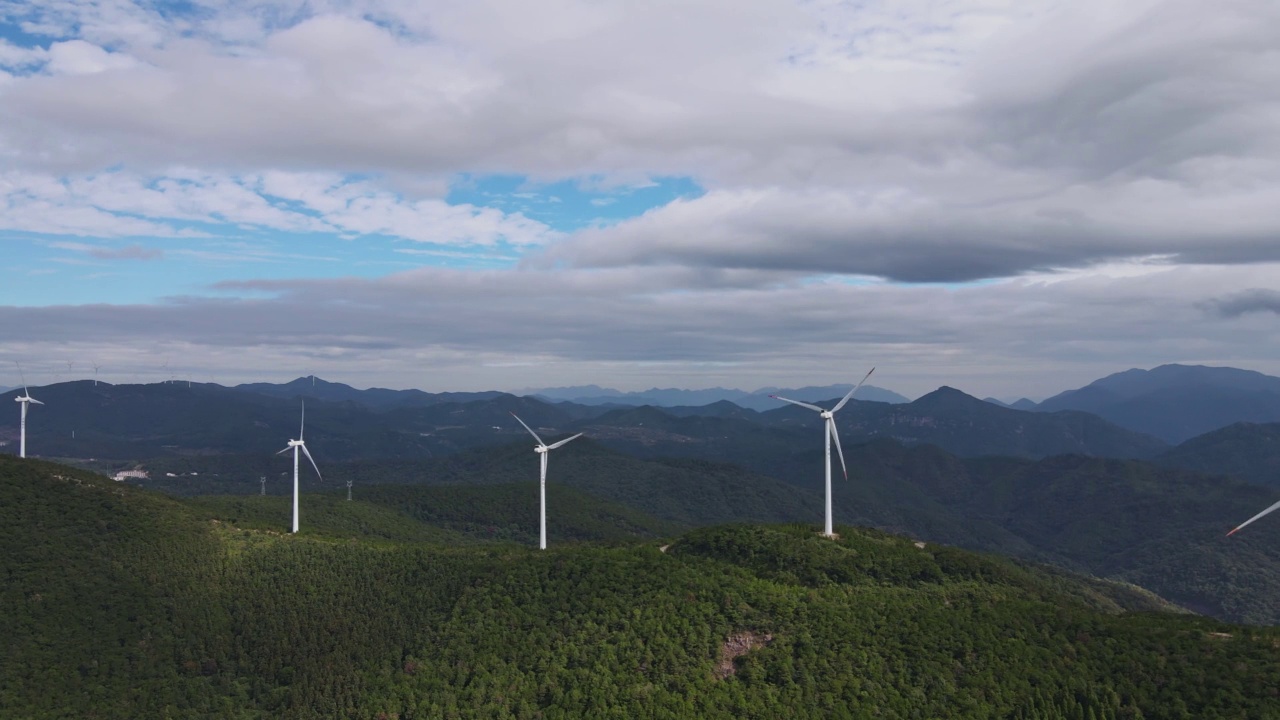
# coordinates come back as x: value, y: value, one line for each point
x: 440, y: 329
x: 1254, y: 300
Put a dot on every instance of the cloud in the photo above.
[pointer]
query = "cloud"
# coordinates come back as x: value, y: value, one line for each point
x: 896, y: 234
x: 1253, y: 300
x: 901, y: 140
x: 130, y: 252
x: 1034, y: 335
x: 17, y: 57
x: 1109, y: 170
x: 110, y: 204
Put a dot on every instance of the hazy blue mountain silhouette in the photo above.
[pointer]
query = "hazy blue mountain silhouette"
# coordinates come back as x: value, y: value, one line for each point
x: 1176, y: 402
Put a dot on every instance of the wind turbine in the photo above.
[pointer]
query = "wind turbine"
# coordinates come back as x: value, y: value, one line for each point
x: 95, y: 374
x: 262, y: 479
x: 296, y: 445
x: 1255, y: 517
x: 349, y: 490
x: 542, y: 449
x: 25, y: 399
x: 829, y: 433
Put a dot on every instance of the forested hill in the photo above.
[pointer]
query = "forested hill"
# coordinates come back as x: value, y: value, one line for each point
x: 121, y: 603
x: 1157, y: 527
x: 1247, y: 451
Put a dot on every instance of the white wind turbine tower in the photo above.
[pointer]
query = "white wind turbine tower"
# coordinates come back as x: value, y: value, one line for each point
x: 296, y: 445
x: 25, y: 399
x: 542, y: 449
x: 829, y: 433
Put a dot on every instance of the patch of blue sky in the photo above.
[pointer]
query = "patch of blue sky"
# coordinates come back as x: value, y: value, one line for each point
x: 11, y: 31
x: 570, y: 205
x: 61, y: 270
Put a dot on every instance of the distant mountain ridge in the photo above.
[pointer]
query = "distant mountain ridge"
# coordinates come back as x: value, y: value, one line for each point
x: 382, y: 398
x: 757, y: 400
x: 1176, y: 402
x: 1019, y: 404
x: 122, y: 422
x: 1247, y: 451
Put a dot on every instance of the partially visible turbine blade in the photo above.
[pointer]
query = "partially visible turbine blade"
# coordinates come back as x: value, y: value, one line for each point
x: 553, y: 446
x: 831, y: 426
x: 1255, y: 517
x: 285, y: 450
x: 31, y: 399
x: 303, y: 425
x: 854, y: 390
x: 797, y: 402
x: 22, y: 375
x: 307, y: 452
x: 531, y: 432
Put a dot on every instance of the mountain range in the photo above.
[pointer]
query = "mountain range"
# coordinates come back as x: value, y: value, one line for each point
x: 1176, y: 402
x: 135, y: 422
x: 758, y: 400
x: 1170, y: 402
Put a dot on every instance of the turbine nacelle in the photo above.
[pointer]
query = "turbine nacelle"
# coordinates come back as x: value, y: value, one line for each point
x: 826, y: 414
x: 540, y: 449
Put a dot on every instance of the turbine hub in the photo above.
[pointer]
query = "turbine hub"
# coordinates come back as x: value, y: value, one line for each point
x: 827, y: 414
x: 540, y: 449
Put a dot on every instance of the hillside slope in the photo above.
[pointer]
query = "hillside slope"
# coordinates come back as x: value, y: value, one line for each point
x: 1248, y: 451
x: 126, y: 604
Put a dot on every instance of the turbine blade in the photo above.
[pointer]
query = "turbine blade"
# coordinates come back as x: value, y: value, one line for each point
x: 303, y: 425
x: 831, y: 425
x: 307, y: 452
x: 553, y: 446
x: 854, y: 390
x: 287, y: 449
x: 531, y: 432
x: 22, y: 375
x: 1255, y: 517
x: 31, y: 399
x: 797, y: 402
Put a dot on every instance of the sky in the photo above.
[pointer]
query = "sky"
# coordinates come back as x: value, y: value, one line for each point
x: 1011, y: 198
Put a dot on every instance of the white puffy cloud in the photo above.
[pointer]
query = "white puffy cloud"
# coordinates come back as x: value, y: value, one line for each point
x: 925, y: 140
x: 112, y: 204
